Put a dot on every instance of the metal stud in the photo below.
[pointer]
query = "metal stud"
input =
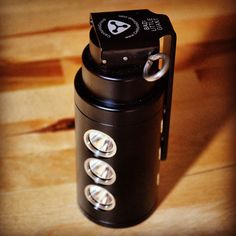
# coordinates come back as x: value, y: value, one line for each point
x: 100, y: 143
x: 99, y: 197
x: 100, y: 171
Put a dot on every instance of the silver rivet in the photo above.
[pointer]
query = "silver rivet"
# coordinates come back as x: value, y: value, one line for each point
x: 125, y: 58
x: 104, y: 61
x: 100, y: 171
x: 99, y: 197
x: 100, y: 143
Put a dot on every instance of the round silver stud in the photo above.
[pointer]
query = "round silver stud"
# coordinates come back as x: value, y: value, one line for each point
x: 100, y: 143
x: 100, y: 171
x: 99, y: 197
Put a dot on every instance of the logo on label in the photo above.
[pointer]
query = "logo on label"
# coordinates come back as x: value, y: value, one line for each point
x: 117, y: 27
x: 123, y: 27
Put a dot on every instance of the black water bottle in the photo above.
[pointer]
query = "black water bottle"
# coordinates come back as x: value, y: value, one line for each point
x: 122, y: 113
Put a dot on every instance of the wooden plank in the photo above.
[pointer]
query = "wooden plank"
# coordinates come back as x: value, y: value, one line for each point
x: 41, y: 47
x: 64, y: 44
x: 204, y: 206
x: 26, y: 158
x: 55, y: 103
x: 28, y: 17
x: 39, y: 143
x: 36, y: 126
x: 196, y: 153
x: 37, y: 169
x: 30, y: 75
x: 202, y: 134
x: 40, y: 74
x: 47, y: 103
x: 202, y: 30
x: 218, y: 54
x: 70, y: 67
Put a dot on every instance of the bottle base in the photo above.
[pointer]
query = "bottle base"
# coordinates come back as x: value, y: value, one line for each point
x: 121, y: 224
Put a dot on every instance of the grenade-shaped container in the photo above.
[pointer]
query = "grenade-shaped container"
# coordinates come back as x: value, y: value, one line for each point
x: 122, y: 112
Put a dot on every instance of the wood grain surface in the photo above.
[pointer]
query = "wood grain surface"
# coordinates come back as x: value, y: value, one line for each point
x: 40, y: 51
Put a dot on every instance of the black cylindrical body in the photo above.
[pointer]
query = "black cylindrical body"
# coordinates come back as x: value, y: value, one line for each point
x: 114, y: 101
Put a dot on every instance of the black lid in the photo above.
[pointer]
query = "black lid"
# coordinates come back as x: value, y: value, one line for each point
x: 126, y: 37
x: 120, y: 44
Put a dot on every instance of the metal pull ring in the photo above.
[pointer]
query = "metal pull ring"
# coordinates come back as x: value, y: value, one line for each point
x: 161, y: 72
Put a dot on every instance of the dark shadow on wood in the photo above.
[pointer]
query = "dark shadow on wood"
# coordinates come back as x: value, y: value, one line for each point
x: 198, y: 113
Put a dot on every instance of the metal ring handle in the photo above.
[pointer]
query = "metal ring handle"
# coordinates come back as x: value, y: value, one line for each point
x: 161, y: 72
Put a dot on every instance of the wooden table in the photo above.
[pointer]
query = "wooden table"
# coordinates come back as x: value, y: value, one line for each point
x: 40, y: 49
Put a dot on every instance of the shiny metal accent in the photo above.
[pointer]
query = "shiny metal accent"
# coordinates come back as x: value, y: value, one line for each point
x: 100, y: 143
x: 161, y: 126
x: 159, y: 153
x: 100, y: 171
x: 99, y: 197
x: 161, y: 72
x: 158, y: 179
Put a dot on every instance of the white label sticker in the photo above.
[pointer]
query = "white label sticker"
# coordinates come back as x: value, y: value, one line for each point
x: 152, y: 24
